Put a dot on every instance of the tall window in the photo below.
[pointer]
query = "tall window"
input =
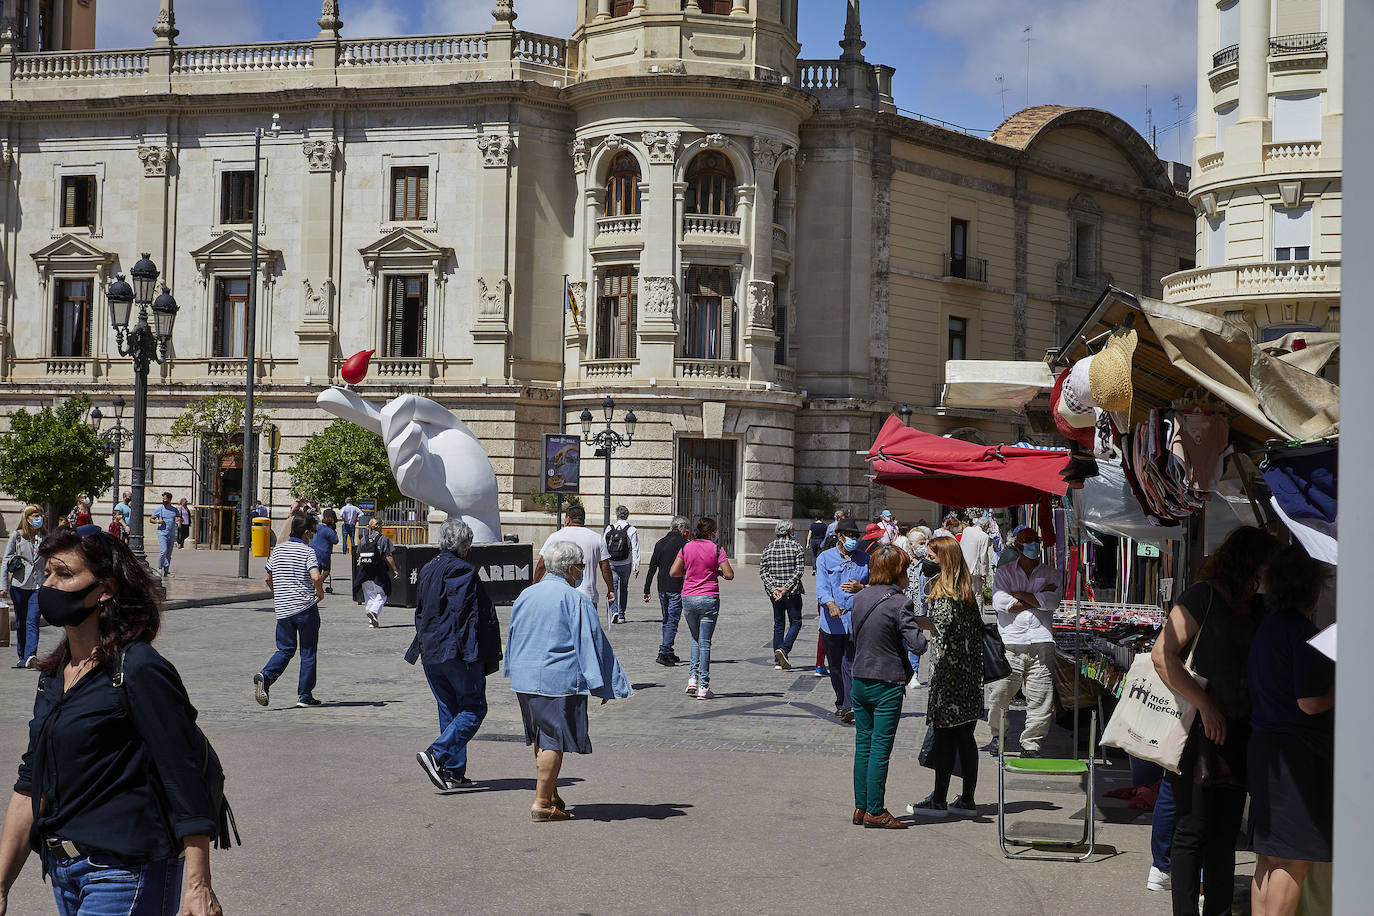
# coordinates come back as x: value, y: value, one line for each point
x: 231, y: 317
x: 1228, y: 24
x: 1085, y: 251
x: 713, y: 7
x: 622, y: 8
x: 1216, y: 240
x: 779, y: 322
x: 1297, y: 117
x: 622, y: 186
x: 1226, y: 116
x: 710, y: 315
x: 236, y: 197
x: 711, y: 185
x: 410, y: 194
x: 615, y: 313
x: 78, y: 201
x: 405, y: 316
x: 958, y: 248
x: 958, y: 338
x: 1293, y: 236
x: 71, y: 326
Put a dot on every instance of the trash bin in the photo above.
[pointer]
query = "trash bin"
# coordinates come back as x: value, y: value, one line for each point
x: 262, y: 536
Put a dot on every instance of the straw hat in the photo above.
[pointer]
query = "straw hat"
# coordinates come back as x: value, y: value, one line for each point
x: 1110, y: 373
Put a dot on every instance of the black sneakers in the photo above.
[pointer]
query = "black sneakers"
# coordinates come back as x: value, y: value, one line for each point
x: 308, y: 703
x: 432, y: 769
x: 260, y: 689
x: 665, y: 660
x: 928, y: 807
x: 964, y: 806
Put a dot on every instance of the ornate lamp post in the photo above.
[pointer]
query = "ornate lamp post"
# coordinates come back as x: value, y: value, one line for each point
x: 905, y: 414
x: 145, y: 344
x: 607, y: 441
x: 115, y: 437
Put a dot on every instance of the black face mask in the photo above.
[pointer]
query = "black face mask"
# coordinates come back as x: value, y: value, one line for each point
x: 930, y: 569
x: 65, y: 609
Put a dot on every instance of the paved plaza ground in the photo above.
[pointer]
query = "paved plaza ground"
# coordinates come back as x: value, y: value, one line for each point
x: 739, y: 804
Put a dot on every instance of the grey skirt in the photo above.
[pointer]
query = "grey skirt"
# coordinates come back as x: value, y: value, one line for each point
x: 556, y: 723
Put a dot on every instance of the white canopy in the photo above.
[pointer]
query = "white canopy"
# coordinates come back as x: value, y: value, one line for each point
x: 995, y: 384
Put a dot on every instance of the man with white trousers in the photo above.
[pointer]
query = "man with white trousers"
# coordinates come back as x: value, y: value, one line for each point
x: 977, y: 548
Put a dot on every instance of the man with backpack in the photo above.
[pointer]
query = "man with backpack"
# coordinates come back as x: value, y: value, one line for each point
x: 374, y: 572
x: 622, y: 546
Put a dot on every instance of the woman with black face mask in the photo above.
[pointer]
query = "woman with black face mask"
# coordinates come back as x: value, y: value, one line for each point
x: 112, y: 793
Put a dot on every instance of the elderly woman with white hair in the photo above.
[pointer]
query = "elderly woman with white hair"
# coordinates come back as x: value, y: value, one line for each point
x: 557, y: 656
x: 458, y: 643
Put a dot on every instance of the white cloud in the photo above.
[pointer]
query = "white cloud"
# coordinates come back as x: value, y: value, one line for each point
x: 372, y: 20
x: 548, y: 17
x: 1080, y: 48
x: 129, y: 23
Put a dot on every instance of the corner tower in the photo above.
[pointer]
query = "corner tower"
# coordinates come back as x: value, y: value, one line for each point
x: 743, y: 39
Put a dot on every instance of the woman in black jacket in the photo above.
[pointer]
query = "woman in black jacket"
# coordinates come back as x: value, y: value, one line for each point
x: 112, y: 792
x: 885, y: 628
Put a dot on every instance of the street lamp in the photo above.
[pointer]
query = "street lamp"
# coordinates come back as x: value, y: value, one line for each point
x: 905, y: 413
x: 115, y: 437
x: 145, y: 344
x: 250, y: 441
x: 607, y: 441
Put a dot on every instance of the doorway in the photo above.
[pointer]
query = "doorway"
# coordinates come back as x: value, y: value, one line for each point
x: 706, y: 485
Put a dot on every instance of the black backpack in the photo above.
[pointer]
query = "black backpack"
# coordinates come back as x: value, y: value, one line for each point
x: 210, y: 766
x: 618, y: 543
x: 367, y: 551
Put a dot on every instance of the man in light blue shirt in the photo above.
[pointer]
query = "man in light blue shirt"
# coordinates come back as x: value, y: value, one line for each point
x: 124, y: 506
x: 168, y: 523
x: 841, y: 573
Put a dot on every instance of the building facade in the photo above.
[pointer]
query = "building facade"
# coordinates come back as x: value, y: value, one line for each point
x: 766, y: 256
x: 1267, y: 179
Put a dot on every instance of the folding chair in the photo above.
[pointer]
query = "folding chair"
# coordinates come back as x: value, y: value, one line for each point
x: 1069, y: 767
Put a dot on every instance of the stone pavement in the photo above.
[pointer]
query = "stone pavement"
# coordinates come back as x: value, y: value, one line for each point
x: 737, y: 804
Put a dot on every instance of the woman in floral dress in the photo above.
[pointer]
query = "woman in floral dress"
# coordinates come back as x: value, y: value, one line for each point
x: 955, y: 702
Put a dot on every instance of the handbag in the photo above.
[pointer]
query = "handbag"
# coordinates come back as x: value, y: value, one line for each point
x: 995, y: 664
x: 928, y: 745
x: 1151, y: 721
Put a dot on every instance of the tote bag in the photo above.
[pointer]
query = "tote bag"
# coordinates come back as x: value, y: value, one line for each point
x: 1151, y: 721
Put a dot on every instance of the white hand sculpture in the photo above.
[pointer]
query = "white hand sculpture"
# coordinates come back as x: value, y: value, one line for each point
x: 435, y: 457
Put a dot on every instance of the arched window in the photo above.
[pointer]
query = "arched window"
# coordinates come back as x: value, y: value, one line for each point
x: 711, y: 185
x: 622, y: 186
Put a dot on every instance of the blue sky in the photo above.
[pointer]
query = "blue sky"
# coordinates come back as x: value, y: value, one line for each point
x: 1100, y: 53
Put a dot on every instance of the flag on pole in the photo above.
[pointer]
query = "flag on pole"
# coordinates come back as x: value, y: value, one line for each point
x: 572, y: 306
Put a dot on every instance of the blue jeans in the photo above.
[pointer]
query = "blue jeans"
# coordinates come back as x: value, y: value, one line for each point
x: 301, y: 630
x: 789, y: 607
x: 349, y: 537
x: 915, y: 663
x: 701, y: 614
x: 671, y: 602
x: 105, y: 888
x: 25, y: 601
x: 166, y: 541
x: 1162, y: 827
x: 620, y: 576
x: 460, y: 689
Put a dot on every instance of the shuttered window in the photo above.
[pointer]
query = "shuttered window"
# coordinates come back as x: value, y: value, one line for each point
x: 1297, y: 17
x: 779, y: 321
x: 616, y: 304
x: 621, y: 8
x: 406, y: 316
x: 622, y: 186
x: 78, y: 201
x: 1216, y: 240
x: 236, y: 198
x: 1297, y: 117
x: 711, y: 185
x: 710, y: 318
x: 714, y: 7
x: 410, y: 194
x: 71, y: 327
x: 231, y: 318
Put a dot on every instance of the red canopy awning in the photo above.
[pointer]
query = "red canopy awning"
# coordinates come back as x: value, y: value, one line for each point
x: 962, y: 474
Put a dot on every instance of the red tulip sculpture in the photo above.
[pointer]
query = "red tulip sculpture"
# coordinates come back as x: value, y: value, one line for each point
x: 354, y: 369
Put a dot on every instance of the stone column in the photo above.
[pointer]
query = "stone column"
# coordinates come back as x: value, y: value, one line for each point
x: 58, y: 9
x: 740, y: 8
x: 1254, y: 60
x: 32, y: 38
x: 603, y: 10
x: 759, y: 301
x: 1207, y: 37
x: 316, y: 332
x: 584, y: 230
x: 492, y: 294
x: 658, y: 278
x: 7, y: 160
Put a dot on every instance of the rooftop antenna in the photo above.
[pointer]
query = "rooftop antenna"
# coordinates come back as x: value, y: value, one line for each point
x: 1027, y: 40
x: 1149, y: 119
x: 1001, y: 79
x: 1178, y: 122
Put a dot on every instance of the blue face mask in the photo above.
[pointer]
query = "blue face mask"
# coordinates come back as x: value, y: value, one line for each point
x: 36, y: 521
x: 1031, y: 551
x: 851, y: 544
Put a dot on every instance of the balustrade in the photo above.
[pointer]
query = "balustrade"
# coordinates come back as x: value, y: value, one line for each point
x: 710, y: 224
x: 68, y: 367
x: 609, y: 368
x: 80, y: 64
x: 1256, y: 279
x: 617, y: 225
x: 243, y: 58
x: 711, y: 369
x: 424, y: 50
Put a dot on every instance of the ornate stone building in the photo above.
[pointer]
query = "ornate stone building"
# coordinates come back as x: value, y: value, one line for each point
x: 767, y: 257
x: 1267, y: 182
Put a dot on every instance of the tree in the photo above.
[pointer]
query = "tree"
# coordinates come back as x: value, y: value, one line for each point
x: 216, y: 422
x: 344, y: 460
x: 50, y: 456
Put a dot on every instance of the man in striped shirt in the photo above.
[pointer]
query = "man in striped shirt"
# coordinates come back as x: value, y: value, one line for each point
x: 297, y: 584
x: 780, y: 568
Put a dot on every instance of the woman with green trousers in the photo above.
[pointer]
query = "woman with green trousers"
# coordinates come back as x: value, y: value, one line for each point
x: 885, y: 628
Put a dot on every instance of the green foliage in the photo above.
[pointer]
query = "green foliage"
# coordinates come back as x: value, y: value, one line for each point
x: 344, y: 460
x: 50, y: 456
x: 549, y: 501
x: 816, y: 496
x: 216, y: 422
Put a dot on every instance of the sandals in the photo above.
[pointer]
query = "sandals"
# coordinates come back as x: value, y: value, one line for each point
x: 550, y: 814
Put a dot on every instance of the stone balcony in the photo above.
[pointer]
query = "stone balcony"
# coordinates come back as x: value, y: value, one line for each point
x: 710, y: 226
x: 1254, y: 282
x: 618, y: 228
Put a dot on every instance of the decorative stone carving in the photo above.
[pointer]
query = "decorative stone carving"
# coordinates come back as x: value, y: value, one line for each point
x: 320, y: 154
x: 659, y: 295
x: 495, y: 149
x: 155, y: 159
x: 329, y: 20
x: 761, y: 303
x: 579, y: 151
x: 767, y: 152
x: 317, y: 301
x: 491, y: 299
x: 578, y: 288
x: 165, y: 27
x: 615, y: 142
x: 791, y: 312
x: 505, y: 11
x: 662, y: 146
x: 6, y: 158
x: 714, y: 141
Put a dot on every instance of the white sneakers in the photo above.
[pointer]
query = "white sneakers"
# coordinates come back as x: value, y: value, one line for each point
x: 1158, y: 881
x: 704, y: 693
x: 691, y: 686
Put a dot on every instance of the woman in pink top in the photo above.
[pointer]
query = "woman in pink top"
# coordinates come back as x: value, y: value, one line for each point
x: 701, y: 563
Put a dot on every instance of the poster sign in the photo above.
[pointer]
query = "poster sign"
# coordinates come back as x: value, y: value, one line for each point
x: 562, y: 463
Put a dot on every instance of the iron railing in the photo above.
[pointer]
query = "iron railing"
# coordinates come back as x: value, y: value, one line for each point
x: 966, y: 268
x: 1299, y: 43
x: 1226, y: 56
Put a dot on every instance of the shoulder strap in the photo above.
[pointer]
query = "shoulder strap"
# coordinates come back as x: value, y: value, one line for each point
x: 1197, y: 637
x: 858, y: 624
